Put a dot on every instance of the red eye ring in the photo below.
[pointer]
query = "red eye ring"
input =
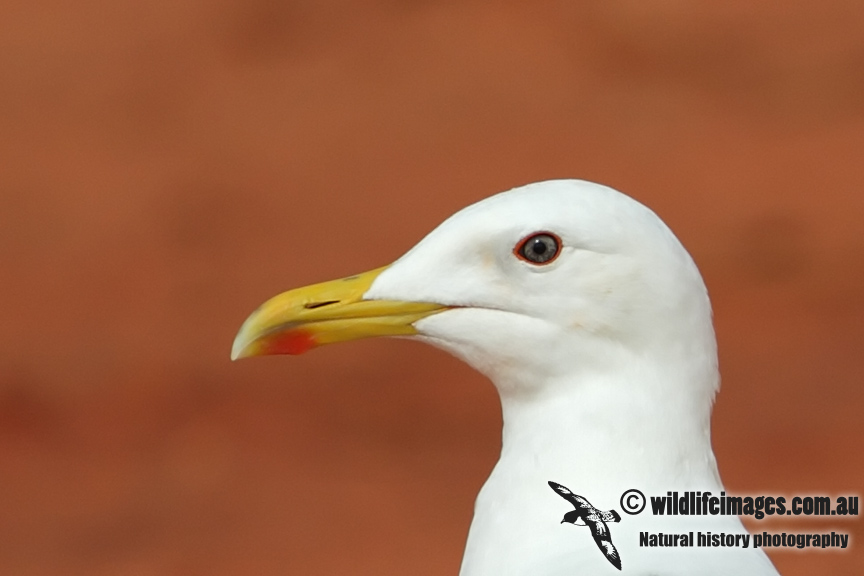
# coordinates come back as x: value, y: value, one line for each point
x: 539, y: 248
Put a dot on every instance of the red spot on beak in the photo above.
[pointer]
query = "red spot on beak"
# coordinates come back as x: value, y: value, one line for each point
x: 293, y: 342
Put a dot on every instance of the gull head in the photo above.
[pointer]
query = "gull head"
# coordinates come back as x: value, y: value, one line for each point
x: 594, y: 324
x: 529, y: 285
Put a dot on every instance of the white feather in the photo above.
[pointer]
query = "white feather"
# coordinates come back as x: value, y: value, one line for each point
x: 606, y: 365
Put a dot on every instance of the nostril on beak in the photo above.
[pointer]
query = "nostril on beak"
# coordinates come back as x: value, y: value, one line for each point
x: 313, y: 305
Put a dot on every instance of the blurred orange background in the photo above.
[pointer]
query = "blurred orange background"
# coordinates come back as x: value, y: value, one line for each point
x: 166, y: 166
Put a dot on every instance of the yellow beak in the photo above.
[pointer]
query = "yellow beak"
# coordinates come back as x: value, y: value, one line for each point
x: 299, y: 320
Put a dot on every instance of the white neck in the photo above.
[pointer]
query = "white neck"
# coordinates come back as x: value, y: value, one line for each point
x: 599, y: 434
x: 647, y: 420
x: 610, y: 427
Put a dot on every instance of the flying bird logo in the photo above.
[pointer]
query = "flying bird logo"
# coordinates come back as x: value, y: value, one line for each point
x: 587, y: 515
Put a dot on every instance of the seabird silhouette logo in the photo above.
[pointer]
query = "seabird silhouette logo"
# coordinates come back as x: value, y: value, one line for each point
x: 587, y: 515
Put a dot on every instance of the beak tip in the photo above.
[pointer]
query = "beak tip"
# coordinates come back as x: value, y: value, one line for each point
x: 239, y: 349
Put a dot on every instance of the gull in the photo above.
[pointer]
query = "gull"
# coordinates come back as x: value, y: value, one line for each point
x: 594, y: 325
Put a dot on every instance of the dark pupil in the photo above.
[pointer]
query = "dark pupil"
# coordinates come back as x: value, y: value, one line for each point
x: 539, y: 247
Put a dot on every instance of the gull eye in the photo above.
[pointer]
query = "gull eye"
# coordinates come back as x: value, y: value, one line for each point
x: 540, y: 248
